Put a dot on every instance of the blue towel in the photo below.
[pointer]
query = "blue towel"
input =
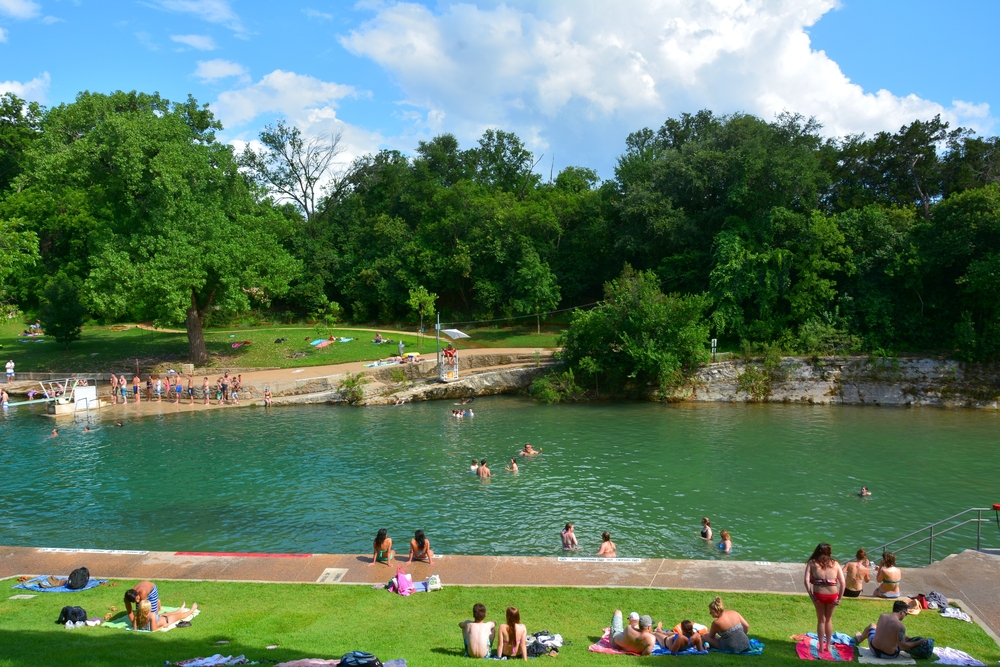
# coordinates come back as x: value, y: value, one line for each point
x: 346, y: 340
x: 756, y: 648
x: 317, y: 341
x: 838, y: 638
x: 659, y: 650
x: 34, y: 585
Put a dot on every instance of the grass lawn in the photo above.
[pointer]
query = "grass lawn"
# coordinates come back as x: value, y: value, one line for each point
x: 327, y: 621
x: 105, y: 348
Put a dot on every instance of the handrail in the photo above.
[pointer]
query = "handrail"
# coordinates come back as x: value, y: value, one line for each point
x: 978, y: 520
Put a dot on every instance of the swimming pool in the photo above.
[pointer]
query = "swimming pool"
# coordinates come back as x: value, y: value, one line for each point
x: 318, y: 479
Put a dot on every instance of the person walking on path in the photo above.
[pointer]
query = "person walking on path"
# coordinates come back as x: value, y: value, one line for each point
x: 10, y: 371
x: 824, y: 581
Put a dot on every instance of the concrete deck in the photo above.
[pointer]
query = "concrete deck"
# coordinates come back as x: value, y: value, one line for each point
x: 970, y: 576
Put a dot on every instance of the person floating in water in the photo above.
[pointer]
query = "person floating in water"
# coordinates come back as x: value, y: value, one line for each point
x: 530, y: 451
x: 864, y: 493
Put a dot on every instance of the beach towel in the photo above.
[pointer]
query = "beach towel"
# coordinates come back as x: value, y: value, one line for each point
x: 955, y: 612
x: 808, y: 649
x: 344, y: 340
x: 122, y: 623
x: 866, y: 657
x: 217, y: 660
x: 604, y: 646
x: 952, y: 656
x: 324, y: 343
x: 35, y: 585
x: 756, y: 648
x: 317, y: 342
x: 838, y: 638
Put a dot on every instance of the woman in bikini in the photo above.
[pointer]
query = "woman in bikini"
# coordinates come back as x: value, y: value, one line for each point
x: 726, y: 545
x: 856, y: 574
x: 888, y: 577
x: 420, y: 548
x: 608, y: 548
x: 824, y: 581
x: 146, y: 619
x: 383, y: 552
x: 513, y: 636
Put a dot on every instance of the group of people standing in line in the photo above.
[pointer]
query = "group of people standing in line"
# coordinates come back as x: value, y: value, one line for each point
x: 827, y: 583
x: 227, y: 389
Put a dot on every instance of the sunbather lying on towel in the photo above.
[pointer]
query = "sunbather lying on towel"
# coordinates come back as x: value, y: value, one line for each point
x: 675, y: 642
x: 145, y: 619
x: 632, y: 639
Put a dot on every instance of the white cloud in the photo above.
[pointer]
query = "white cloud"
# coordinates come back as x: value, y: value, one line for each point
x: 213, y: 11
x: 572, y: 71
x: 314, y: 14
x: 213, y: 70
x: 51, y: 20
x: 199, y: 42
x: 20, y: 9
x: 3, y: 35
x: 33, y: 91
x: 307, y: 102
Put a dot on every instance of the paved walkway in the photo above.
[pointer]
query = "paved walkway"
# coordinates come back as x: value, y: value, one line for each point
x: 970, y: 576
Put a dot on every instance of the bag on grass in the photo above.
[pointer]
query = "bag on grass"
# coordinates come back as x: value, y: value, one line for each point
x: 359, y: 659
x: 924, y: 651
x: 73, y: 614
x: 78, y: 578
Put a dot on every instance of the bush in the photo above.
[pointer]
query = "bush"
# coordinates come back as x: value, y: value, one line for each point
x: 637, y: 337
x: 556, y: 388
x: 352, y: 387
x: 62, y: 313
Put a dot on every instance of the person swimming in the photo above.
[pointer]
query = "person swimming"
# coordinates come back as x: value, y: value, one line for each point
x: 864, y: 493
x: 512, y: 467
x: 529, y: 450
x: 569, y: 540
x: 726, y: 545
x: 474, y: 467
x: 706, y: 529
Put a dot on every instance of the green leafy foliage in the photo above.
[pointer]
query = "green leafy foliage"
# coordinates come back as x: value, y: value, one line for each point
x: 352, y: 387
x: 556, y: 388
x: 62, y: 314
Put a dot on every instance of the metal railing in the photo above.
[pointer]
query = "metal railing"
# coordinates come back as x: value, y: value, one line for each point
x: 933, y: 531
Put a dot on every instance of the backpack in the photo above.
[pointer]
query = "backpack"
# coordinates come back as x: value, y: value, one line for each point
x: 78, y: 578
x: 925, y: 651
x: 359, y: 659
x: 73, y: 614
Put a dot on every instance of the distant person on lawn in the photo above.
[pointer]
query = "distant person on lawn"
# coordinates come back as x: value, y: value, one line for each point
x: 478, y: 633
x: 144, y: 590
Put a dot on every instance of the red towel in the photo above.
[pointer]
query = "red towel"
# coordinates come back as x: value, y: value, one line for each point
x: 808, y: 649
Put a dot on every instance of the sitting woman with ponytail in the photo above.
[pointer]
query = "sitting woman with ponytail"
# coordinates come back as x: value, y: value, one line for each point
x: 145, y: 619
x: 383, y: 552
x: 513, y: 636
x: 729, y: 629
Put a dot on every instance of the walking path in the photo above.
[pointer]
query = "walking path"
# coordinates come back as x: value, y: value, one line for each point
x: 970, y: 576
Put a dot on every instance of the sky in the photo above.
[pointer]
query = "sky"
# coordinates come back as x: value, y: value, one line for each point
x: 571, y: 77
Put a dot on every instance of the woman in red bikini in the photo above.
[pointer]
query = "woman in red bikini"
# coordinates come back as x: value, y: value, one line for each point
x: 825, y: 583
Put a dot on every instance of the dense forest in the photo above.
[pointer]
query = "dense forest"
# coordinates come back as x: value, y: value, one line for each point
x: 884, y: 243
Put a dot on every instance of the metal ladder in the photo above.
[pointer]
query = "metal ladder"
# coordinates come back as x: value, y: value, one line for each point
x: 934, y: 530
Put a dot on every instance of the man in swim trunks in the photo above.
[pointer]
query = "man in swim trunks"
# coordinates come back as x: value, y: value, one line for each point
x: 888, y: 637
x: 478, y: 633
x: 632, y: 639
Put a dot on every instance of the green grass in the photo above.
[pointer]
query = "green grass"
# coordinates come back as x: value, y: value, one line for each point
x: 105, y: 348
x: 327, y: 621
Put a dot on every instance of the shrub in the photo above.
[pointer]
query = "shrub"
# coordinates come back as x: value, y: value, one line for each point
x: 352, y: 387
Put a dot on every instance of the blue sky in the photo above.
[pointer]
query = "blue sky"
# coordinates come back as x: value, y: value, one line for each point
x: 571, y: 77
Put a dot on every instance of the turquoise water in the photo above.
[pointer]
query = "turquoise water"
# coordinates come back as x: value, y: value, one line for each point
x: 316, y: 479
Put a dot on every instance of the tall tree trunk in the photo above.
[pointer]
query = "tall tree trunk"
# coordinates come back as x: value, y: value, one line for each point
x: 196, y: 337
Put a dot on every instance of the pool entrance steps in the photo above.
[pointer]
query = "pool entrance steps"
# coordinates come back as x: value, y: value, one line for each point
x: 936, y: 530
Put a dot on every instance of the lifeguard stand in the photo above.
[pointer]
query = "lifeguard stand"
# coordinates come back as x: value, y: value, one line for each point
x: 447, y: 364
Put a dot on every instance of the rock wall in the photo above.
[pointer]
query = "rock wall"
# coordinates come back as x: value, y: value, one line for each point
x: 852, y: 380
x: 487, y: 383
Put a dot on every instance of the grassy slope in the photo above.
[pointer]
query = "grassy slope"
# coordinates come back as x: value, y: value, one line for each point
x: 326, y: 621
x: 102, y: 349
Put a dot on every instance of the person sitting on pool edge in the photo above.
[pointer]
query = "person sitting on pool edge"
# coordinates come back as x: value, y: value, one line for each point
x: 478, y: 633
x: 420, y: 548
x: 887, y: 637
x: 888, y: 577
x: 144, y: 590
x: 856, y: 574
x: 383, y: 552
x: 634, y: 639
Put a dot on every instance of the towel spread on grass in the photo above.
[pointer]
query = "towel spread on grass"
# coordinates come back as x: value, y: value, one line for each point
x: 952, y: 656
x: 344, y: 340
x: 808, y: 649
x: 838, y: 638
x: 317, y: 341
x: 955, y: 612
x: 122, y: 622
x: 756, y: 648
x: 217, y: 660
x: 604, y: 646
x: 866, y: 657
x: 35, y: 585
x: 324, y: 343
x: 319, y: 662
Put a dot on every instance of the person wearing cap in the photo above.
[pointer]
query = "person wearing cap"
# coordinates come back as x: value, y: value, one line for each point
x: 887, y: 637
x: 633, y: 619
x: 632, y: 639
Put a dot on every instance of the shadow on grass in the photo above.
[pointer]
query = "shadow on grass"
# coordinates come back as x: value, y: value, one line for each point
x: 457, y: 652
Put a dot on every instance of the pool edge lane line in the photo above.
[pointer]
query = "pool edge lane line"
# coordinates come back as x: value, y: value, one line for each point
x: 214, y: 554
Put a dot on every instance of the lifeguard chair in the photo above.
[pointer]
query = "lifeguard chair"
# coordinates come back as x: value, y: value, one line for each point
x: 447, y: 362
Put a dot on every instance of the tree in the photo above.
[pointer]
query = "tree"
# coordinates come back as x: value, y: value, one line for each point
x: 62, y: 313
x: 20, y: 125
x: 637, y: 336
x: 422, y: 302
x: 292, y: 166
x: 18, y: 249
x: 184, y: 236
x: 537, y: 290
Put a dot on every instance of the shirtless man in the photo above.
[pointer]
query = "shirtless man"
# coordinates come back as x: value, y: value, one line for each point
x: 633, y: 639
x: 483, y: 471
x: 205, y: 389
x: 478, y: 633
x: 888, y: 637
x: 530, y: 451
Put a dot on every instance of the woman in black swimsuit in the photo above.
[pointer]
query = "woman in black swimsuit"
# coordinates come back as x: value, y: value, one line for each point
x: 706, y: 529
